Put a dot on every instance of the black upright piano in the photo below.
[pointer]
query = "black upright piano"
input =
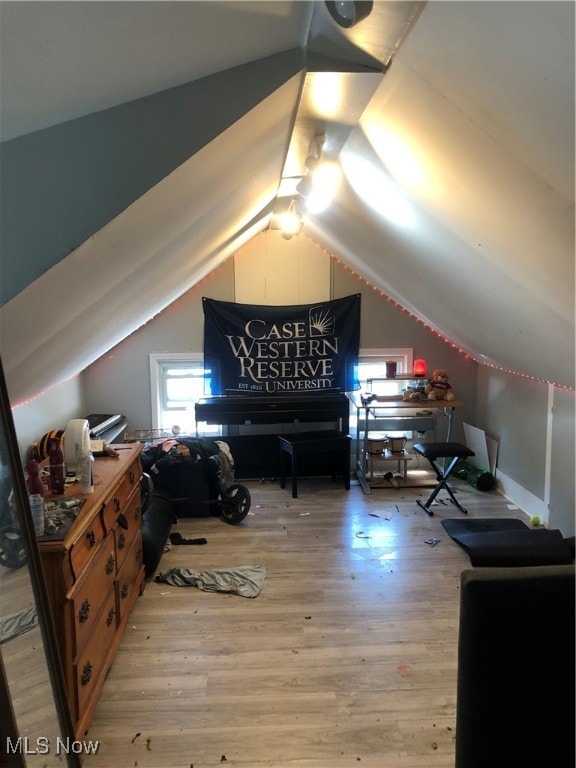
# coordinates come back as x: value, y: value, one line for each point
x: 275, y: 410
x: 256, y: 455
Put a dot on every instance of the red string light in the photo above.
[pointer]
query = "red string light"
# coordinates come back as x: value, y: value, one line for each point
x: 42, y: 392
x: 466, y: 355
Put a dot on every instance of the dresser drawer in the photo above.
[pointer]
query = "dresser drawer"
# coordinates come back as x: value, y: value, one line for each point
x: 90, y: 591
x: 116, y: 504
x: 125, y: 532
x: 83, y: 550
x: 86, y: 572
x: 129, y: 579
x: 90, y: 662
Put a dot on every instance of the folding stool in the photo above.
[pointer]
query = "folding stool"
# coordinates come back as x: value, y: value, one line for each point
x: 433, y: 451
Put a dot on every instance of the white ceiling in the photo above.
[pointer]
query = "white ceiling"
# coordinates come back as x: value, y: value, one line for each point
x: 459, y: 191
x: 62, y: 60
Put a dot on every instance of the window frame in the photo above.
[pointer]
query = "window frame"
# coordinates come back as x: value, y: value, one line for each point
x: 404, y: 356
x: 157, y: 362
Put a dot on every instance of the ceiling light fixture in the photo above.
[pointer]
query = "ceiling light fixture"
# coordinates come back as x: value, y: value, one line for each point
x: 311, y: 162
x: 325, y: 179
x: 347, y: 13
x: 291, y: 221
x: 304, y: 186
x: 318, y: 184
x: 313, y: 192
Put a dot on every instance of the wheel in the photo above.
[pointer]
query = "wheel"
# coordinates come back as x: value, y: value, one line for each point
x: 12, y: 552
x: 235, y: 504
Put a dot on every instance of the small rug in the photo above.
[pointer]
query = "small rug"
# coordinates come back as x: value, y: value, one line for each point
x: 503, y: 542
x: 246, y: 581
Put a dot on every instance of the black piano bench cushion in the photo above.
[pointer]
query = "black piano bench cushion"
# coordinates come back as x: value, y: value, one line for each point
x: 443, y: 450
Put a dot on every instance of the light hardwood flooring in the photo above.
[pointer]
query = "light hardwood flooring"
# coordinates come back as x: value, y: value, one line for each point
x: 347, y: 657
x: 26, y: 670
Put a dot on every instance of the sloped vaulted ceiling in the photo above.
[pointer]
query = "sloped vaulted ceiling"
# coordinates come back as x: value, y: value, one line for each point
x: 458, y: 196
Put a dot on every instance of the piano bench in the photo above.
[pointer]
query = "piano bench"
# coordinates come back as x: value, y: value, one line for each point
x: 307, y: 443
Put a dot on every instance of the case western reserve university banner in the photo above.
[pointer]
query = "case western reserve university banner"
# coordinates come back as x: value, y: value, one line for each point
x: 258, y: 350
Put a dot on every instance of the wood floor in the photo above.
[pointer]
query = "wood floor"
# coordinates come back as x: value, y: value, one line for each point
x: 347, y: 657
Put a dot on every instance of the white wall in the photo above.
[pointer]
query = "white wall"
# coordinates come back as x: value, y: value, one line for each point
x: 51, y: 410
x: 315, y: 276
x: 273, y: 271
x: 534, y: 424
x: 536, y: 458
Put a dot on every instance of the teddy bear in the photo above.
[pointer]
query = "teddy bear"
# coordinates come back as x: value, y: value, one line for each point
x: 438, y: 387
x: 413, y: 395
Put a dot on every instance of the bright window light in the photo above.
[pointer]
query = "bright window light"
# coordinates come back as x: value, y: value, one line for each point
x: 177, y: 382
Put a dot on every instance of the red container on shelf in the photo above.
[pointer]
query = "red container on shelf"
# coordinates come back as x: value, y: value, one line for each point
x: 419, y: 367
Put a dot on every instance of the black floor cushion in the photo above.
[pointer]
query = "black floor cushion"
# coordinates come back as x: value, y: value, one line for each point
x: 508, y: 542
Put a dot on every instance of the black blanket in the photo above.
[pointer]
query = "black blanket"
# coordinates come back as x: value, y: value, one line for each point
x: 502, y: 542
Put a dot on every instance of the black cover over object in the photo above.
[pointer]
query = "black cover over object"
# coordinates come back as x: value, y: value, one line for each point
x: 156, y: 524
x: 188, y: 473
x: 515, y: 693
x: 508, y: 542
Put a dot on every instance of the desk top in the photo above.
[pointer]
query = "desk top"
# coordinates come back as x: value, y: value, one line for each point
x: 400, y: 404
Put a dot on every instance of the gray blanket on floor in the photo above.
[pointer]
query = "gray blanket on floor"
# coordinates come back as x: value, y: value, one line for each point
x: 17, y: 624
x: 246, y: 581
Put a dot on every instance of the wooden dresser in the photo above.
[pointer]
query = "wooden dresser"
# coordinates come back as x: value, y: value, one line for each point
x: 94, y: 573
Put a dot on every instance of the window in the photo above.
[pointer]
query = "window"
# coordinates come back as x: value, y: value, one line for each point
x: 372, y: 369
x: 178, y: 381
x: 372, y: 373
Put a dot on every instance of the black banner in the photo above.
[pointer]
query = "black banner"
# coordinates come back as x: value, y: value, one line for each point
x: 260, y: 350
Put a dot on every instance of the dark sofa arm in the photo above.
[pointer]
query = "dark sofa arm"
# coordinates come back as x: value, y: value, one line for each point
x: 515, y: 702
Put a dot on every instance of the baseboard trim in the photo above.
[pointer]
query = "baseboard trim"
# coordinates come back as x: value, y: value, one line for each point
x: 518, y: 495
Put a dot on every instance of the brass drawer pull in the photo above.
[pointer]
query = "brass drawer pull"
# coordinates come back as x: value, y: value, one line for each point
x: 110, y: 564
x: 131, y: 477
x: 110, y: 617
x: 91, y: 536
x: 83, y: 612
x: 117, y: 504
x: 124, y: 591
x: 121, y: 541
x: 86, y: 674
